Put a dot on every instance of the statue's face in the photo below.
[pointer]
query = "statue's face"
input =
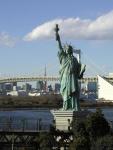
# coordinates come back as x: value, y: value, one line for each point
x: 70, y: 50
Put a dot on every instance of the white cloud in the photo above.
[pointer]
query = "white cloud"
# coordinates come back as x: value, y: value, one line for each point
x: 7, y: 40
x: 76, y: 28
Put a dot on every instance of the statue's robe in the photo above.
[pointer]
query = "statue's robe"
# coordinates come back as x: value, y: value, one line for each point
x: 70, y: 72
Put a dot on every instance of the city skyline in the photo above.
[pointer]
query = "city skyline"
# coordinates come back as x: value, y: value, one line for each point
x: 27, y: 40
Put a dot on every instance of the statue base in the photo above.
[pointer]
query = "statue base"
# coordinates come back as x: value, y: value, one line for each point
x: 63, y: 118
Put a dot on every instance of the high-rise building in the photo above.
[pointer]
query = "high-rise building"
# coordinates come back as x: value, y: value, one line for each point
x: 8, y: 86
x: 50, y: 89
x: 40, y: 85
x: 2, y: 86
x: 57, y: 87
x: 27, y: 87
x: 92, y: 86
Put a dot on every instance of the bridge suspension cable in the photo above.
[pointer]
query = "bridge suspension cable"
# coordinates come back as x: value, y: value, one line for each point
x: 94, y: 68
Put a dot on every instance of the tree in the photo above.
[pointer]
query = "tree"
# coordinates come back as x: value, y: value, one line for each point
x: 81, y: 139
x: 87, y: 131
x: 96, y: 125
x: 78, y: 128
x: 80, y: 143
x: 103, y: 143
x: 46, y: 141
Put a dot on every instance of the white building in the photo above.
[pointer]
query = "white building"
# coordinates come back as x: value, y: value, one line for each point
x: 105, y: 89
x: 34, y: 94
x: 17, y: 93
x: 111, y: 74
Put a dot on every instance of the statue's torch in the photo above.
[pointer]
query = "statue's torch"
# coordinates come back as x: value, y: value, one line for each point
x: 56, y: 31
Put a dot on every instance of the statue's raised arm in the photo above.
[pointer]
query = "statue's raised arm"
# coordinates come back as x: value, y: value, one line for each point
x: 58, y: 37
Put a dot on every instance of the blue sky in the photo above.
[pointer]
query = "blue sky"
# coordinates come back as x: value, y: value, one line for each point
x: 25, y: 47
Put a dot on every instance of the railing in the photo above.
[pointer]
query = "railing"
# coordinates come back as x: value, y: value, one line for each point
x: 23, y: 125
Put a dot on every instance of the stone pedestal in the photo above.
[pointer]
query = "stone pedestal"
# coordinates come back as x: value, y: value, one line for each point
x: 63, y: 119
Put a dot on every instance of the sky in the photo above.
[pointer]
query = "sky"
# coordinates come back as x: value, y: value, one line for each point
x: 27, y: 37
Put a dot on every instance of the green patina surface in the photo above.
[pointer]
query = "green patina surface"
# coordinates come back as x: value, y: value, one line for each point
x: 70, y: 71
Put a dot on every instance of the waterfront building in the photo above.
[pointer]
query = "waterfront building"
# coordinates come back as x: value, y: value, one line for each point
x: 110, y: 74
x: 57, y: 87
x: 105, y: 89
x: 92, y: 86
x: 27, y: 87
x: 88, y: 91
x: 8, y: 86
x: 17, y: 93
x: 39, y: 85
x: 50, y: 89
x: 34, y: 94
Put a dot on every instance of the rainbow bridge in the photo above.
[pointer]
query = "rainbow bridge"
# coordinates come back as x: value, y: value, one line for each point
x: 46, y: 78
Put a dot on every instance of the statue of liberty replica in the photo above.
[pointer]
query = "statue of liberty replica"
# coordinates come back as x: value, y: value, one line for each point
x: 70, y: 72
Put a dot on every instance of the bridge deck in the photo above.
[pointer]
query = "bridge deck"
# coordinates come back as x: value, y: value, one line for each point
x: 27, y: 79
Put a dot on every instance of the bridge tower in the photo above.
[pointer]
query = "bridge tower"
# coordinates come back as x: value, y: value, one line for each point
x: 78, y: 54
